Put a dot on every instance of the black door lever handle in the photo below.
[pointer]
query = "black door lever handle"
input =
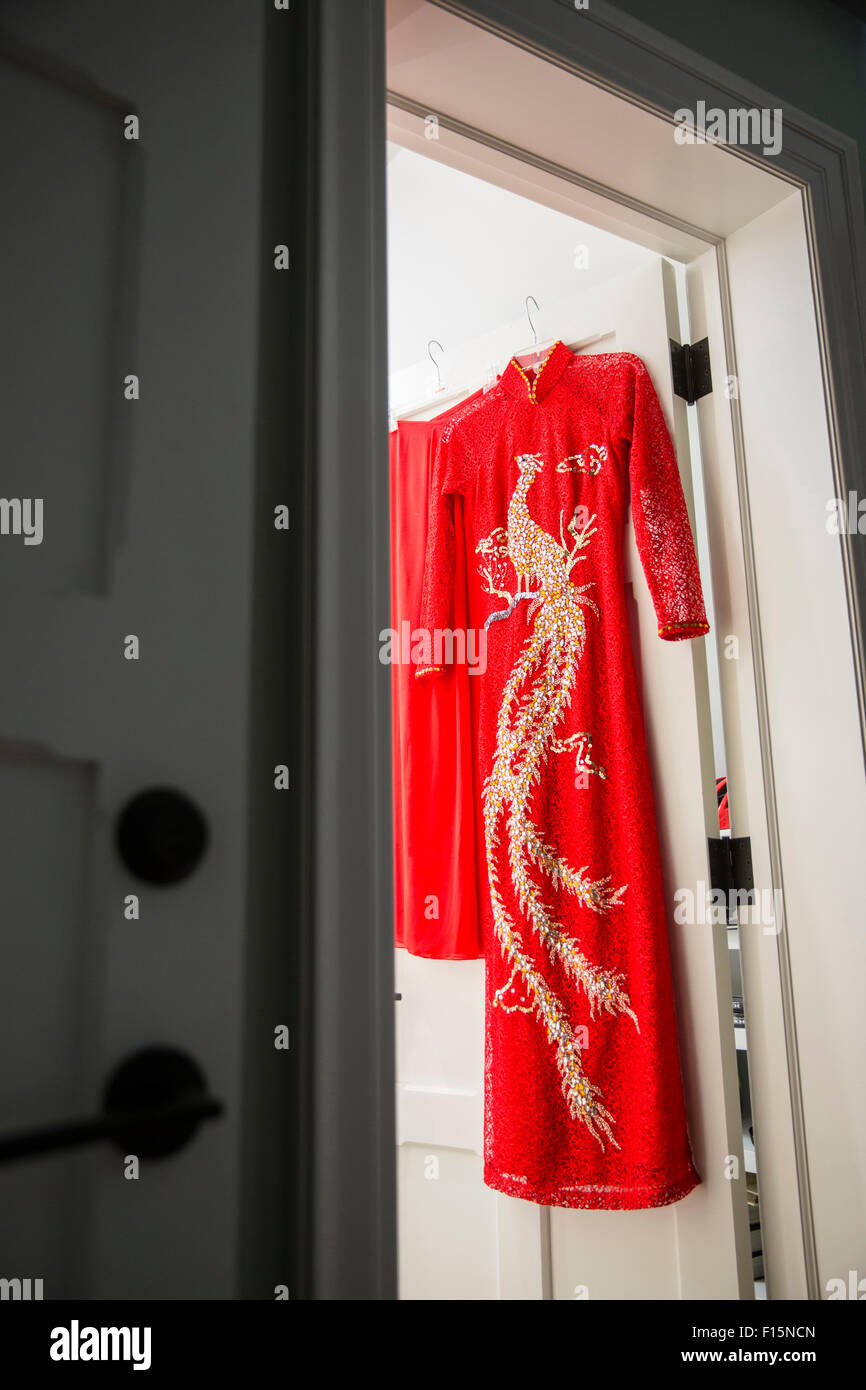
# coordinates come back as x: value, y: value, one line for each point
x: 153, y: 1104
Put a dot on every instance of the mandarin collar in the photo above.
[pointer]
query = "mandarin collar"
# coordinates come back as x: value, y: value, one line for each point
x: 519, y: 385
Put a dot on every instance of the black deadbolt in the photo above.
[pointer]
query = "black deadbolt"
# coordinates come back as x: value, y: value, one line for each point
x: 161, y: 835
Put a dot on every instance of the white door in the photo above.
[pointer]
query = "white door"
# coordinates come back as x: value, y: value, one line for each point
x: 124, y: 257
x: 458, y: 1239
x: 795, y: 771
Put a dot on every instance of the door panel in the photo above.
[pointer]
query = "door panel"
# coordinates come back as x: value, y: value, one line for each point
x: 59, y: 326
x: 780, y: 1230
x: 810, y: 755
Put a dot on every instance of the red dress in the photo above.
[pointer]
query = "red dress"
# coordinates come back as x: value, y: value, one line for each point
x: 435, y: 880
x: 583, y: 1090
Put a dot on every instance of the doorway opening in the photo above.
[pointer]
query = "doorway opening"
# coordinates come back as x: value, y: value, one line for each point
x: 526, y: 205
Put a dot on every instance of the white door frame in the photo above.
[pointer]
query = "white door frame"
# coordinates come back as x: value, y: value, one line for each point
x: 624, y: 57
x: 792, y: 1261
x: 788, y: 1233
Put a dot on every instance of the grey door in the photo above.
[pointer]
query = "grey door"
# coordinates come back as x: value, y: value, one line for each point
x: 130, y: 262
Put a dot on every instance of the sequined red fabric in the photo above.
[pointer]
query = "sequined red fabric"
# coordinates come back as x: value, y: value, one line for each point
x: 583, y: 1089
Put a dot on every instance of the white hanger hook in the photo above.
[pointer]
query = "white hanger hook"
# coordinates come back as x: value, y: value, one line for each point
x: 530, y: 298
x: 434, y: 342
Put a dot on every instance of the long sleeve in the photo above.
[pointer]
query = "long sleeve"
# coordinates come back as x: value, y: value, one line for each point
x: 437, y: 595
x: 661, y: 519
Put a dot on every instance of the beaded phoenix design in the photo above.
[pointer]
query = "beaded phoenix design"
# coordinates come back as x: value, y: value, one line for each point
x: 535, y: 699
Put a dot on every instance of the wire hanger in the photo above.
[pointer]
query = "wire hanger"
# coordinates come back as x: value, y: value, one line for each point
x: 532, y: 355
x: 530, y: 299
x: 437, y: 398
x: 440, y: 385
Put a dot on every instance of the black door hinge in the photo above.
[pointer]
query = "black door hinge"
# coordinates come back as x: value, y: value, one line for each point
x: 730, y: 861
x: 690, y: 364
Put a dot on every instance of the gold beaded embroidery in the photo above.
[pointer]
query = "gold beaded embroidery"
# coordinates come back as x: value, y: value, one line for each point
x: 532, y: 386
x: 576, y: 463
x: 544, y: 675
x: 698, y: 629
